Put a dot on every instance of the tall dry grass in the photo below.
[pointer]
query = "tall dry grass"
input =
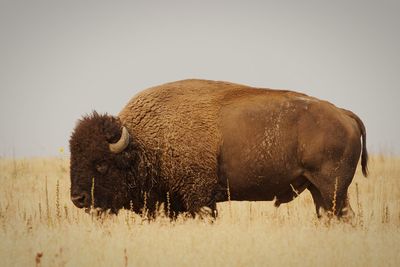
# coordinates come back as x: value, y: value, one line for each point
x: 39, y: 226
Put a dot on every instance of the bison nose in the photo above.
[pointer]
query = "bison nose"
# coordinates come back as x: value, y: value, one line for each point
x: 80, y: 200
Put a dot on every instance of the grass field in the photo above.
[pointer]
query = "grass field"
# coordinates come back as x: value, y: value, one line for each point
x: 39, y: 226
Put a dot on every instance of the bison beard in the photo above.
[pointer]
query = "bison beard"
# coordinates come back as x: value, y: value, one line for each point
x: 182, y: 143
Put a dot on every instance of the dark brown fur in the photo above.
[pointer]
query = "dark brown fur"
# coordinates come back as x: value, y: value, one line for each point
x: 190, y: 139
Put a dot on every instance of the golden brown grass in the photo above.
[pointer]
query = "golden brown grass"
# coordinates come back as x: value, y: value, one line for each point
x: 39, y: 226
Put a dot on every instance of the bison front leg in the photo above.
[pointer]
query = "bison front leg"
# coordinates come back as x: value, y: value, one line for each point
x: 201, y: 206
x: 199, y: 200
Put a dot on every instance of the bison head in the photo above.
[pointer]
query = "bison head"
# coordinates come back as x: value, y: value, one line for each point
x: 100, y: 163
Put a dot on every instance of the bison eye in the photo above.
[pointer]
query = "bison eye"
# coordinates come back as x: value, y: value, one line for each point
x: 102, y: 167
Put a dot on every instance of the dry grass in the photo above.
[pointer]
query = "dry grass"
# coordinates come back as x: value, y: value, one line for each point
x: 39, y: 226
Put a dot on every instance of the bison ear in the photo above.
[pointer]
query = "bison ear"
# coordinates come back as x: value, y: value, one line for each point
x: 112, y: 129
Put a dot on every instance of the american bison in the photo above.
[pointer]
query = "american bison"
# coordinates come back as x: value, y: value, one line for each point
x: 190, y: 144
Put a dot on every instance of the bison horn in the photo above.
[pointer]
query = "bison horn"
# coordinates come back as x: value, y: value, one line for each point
x: 122, y: 143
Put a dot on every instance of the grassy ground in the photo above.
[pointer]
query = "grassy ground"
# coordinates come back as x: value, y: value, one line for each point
x: 39, y: 226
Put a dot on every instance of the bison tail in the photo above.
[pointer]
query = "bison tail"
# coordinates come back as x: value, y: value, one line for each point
x: 364, y: 154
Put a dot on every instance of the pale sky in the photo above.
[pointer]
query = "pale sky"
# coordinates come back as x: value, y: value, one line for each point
x: 62, y: 59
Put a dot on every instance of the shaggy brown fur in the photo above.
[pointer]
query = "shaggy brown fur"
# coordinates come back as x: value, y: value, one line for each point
x: 190, y: 138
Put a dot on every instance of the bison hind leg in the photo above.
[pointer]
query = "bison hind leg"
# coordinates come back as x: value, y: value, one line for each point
x: 317, y: 197
x: 331, y: 195
x: 347, y: 213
